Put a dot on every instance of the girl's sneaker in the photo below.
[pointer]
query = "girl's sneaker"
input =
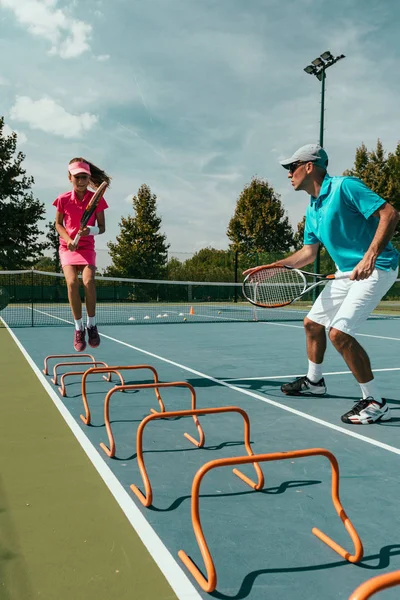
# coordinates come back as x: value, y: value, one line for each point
x: 79, y: 340
x: 93, y: 337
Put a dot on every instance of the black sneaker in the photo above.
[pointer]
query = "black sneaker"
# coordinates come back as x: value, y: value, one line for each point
x: 367, y: 411
x: 303, y: 385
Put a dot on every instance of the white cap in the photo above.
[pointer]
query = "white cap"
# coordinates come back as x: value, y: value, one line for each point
x: 308, y: 153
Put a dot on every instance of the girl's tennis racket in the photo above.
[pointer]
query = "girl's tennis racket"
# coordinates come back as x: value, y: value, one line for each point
x: 91, y: 207
x: 276, y: 286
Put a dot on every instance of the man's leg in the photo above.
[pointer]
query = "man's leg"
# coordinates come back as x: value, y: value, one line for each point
x: 353, y: 353
x: 313, y: 383
x: 363, y: 296
x: 371, y: 407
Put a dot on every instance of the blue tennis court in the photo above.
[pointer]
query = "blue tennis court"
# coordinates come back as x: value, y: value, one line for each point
x: 260, y: 541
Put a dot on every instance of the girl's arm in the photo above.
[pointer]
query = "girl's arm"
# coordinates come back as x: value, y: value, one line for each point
x: 101, y: 224
x: 62, y: 232
x: 101, y: 221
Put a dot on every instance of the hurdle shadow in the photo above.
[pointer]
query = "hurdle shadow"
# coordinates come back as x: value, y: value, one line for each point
x: 189, y: 449
x: 383, y: 557
x: 275, y: 490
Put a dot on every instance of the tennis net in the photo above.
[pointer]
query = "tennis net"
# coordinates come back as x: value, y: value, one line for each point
x: 37, y: 298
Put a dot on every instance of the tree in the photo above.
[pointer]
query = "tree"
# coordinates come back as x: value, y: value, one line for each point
x: 53, y: 243
x: 298, y: 238
x: 45, y: 263
x: 259, y: 223
x: 208, y: 264
x: 379, y: 172
x: 140, y: 250
x: 19, y: 210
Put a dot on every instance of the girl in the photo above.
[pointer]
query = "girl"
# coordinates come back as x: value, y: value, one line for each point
x: 70, y: 207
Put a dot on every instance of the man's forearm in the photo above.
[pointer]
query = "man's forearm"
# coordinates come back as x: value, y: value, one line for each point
x: 302, y: 257
x: 384, y: 233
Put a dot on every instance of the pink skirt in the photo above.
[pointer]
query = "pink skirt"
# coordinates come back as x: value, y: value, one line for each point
x: 78, y: 257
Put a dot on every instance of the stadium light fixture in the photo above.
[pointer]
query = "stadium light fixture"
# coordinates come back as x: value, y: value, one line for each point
x: 326, y: 55
x: 318, y: 62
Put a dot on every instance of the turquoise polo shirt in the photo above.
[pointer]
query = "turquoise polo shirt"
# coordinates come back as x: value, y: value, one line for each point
x: 341, y: 219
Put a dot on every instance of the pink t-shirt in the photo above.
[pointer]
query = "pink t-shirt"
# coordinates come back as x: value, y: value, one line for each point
x: 73, y: 209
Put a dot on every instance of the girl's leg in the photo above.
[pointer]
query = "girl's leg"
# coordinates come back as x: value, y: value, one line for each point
x: 88, y: 277
x: 71, y: 277
x: 88, y: 274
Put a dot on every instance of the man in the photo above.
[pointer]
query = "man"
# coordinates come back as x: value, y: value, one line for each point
x: 355, y: 226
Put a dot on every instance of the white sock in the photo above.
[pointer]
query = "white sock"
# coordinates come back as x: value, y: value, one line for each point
x: 91, y: 321
x: 78, y: 324
x: 370, y: 389
x: 314, y: 373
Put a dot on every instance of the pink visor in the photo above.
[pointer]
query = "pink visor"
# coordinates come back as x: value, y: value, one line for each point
x: 79, y: 167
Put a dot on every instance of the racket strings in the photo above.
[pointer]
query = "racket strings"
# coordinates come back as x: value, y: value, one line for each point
x: 274, y: 287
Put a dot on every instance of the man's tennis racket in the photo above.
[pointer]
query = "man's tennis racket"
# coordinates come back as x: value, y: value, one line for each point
x: 276, y: 286
x: 91, y: 207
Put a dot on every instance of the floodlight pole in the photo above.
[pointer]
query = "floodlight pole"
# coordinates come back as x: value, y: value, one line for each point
x: 325, y: 61
x: 321, y: 122
x: 317, y: 262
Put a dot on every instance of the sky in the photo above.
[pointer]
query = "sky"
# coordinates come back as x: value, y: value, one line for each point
x: 193, y: 98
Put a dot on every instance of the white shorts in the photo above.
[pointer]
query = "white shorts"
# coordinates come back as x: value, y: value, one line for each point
x: 345, y: 304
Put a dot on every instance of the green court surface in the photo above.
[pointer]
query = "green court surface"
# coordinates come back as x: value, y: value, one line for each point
x: 61, y: 533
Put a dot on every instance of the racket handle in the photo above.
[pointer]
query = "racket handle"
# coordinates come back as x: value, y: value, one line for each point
x: 344, y: 275
x: 76, y: 239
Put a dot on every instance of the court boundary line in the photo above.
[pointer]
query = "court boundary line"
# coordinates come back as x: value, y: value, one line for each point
x: 170, y: 568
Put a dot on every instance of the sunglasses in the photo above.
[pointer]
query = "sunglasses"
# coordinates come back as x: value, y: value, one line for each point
x: 294, y: 166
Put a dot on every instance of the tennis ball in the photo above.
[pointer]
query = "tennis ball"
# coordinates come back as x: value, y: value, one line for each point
x: 185, y: 319
x: 219, y: 312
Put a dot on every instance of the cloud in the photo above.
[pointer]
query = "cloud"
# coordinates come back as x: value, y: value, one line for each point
x: 69, y: 37
x: 48, y: 116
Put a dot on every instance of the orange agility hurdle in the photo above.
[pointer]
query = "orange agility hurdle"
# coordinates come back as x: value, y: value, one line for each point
x: 76, y: 363
x: 208, y: 584
x: 376, y: 584
x: 87, y: 417
x: 110, y: 451
x: 62, y: 389
x: 147, y: 498
x: 79, y: 356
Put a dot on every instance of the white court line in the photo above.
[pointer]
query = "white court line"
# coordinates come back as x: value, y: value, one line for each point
x: 172, y: 571
x: 379, y: 337
x: 301, y: 375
